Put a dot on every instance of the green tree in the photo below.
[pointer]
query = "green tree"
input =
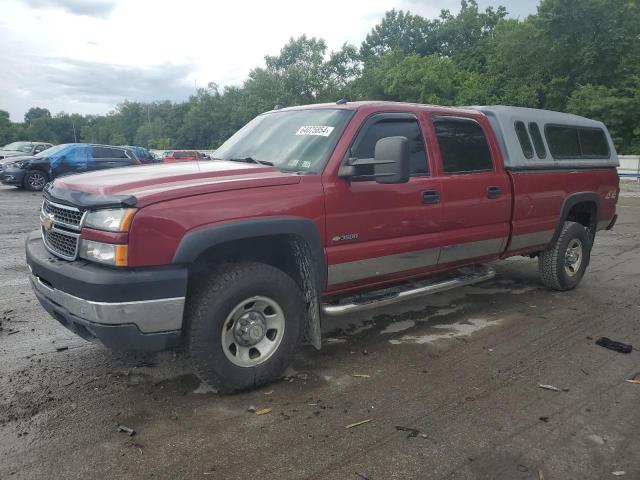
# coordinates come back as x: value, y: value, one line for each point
x: 34, y: 113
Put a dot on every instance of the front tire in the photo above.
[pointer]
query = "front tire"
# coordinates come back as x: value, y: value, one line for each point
x: 35, y: 180
x: 562, y: 266
x: 243, y: 326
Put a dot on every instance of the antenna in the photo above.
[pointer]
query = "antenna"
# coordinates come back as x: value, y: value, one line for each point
x: 342, y: 101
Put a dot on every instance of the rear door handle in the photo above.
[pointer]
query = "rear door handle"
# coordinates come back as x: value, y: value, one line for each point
x: 493, y: 192
x: 430, y: 197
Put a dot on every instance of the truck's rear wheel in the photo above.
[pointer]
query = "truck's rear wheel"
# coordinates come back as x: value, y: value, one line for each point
x: 562, y: 266
x: 244, y: 325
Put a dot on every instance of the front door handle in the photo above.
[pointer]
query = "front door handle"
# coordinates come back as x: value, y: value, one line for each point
x: 430, y: 197
x: 493, y: 192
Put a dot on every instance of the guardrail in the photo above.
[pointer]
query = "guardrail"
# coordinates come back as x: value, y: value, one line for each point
x: 629, y: 166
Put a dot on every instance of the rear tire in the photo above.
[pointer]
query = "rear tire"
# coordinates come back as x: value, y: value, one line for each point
x: 562, y: 266
x: 243, y: 326
x: 35, y: 180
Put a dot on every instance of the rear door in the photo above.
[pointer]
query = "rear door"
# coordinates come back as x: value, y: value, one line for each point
x: 377, y: 232
x: 476, y: 194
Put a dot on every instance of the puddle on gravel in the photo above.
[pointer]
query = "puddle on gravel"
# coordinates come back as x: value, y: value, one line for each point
x: 452, y: 330
x: 396, y: 327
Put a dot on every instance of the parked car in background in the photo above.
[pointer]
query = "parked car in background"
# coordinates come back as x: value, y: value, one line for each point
x: 173, y: 156
x: 142, y: 154
x: 34, y: 171
x: 16, y: 149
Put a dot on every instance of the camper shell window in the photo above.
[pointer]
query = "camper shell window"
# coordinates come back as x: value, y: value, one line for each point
x: 570, y: 142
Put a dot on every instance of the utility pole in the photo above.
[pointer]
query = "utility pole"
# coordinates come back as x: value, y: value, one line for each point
x: 75, y: 139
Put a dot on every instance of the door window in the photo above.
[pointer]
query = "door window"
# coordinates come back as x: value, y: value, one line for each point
x: 393, y: 126
x: 463, y: 145
x: 101, y: 152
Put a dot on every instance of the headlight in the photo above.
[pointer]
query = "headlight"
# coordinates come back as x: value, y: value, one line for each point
x: 19, y: 164
x: 111, y: 220
x: 108, y: 253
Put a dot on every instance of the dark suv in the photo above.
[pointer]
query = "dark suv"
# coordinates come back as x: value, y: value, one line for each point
x: 34, y: 171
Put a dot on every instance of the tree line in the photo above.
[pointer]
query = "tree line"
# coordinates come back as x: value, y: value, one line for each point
x: 579, y: 56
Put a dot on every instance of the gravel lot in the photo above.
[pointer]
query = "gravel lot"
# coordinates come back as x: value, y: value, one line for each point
x: 449, y: 383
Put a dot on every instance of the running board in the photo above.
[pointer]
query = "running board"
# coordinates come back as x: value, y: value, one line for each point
x: 390, y: 295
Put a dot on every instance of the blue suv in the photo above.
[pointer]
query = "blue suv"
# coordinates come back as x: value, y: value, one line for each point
x: 33, y: 172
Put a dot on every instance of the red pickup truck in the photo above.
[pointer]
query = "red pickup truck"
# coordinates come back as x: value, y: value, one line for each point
x: 313, y: 211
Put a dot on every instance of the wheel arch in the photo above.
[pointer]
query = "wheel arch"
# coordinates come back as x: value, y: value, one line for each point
x: 290, y: 243
x: 577, y: 207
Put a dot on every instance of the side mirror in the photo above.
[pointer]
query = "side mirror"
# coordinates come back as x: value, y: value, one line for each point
x: 390, y: 163
x: 392, y: 160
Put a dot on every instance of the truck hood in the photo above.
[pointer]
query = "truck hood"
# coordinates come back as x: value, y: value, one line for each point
x: 153, y: 183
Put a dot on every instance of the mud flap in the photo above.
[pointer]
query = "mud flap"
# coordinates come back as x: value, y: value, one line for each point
x: 309, y: 280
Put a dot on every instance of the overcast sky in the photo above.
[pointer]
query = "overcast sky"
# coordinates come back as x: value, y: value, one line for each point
x: 86, y: 56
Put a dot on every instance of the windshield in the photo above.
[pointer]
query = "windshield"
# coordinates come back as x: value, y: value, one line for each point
x: 294, y: 140
x: 24, y: 147
x: 51, y: 150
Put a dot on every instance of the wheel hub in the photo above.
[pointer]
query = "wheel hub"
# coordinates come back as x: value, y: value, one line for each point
x: 250, y: 328
x: 573, y: 257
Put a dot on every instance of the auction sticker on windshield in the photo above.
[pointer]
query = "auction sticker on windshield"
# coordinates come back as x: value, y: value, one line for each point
x: 317, y: 130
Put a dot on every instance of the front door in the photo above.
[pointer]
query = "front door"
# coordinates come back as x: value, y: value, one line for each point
x: 375, y: 232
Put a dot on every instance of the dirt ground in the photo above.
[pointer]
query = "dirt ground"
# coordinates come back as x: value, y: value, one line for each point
x: 449, y: 384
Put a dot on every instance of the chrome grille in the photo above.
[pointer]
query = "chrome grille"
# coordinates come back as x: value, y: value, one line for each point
x: 63, y: 215
x: 61, y: 225
x: 61, y: 243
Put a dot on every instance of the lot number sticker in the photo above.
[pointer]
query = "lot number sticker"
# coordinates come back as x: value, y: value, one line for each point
x: 317, y: 130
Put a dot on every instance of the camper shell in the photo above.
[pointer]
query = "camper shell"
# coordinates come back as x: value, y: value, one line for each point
x: 538, y: 139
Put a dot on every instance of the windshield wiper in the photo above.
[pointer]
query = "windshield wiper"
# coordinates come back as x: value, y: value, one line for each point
x: 251, y: 160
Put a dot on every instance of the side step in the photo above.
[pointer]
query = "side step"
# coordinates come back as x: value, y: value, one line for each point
x: 390, y: 295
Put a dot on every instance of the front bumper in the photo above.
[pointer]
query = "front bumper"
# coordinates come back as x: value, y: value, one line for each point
x: 12, y: 176
x: 129, y: 309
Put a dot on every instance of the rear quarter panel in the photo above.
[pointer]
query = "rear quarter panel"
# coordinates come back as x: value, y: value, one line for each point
x: 539, y: 197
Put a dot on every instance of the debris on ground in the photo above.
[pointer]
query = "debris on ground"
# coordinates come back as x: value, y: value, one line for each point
x: 61, y: 349
x: 613, y: 345
x: 363, y: 477
x: 549, y: 387
x: 411, y: 432
x: 540, y: 475
x: 252, y: 409
x: 360, y: 375
x: 544, y: 419
x: 129, y: 431
x: 619, y: 473
x: 138, y: 446
x: 268, y: 393
x: 634, y: 381
x: 351, y: 425
x: 264, y: 411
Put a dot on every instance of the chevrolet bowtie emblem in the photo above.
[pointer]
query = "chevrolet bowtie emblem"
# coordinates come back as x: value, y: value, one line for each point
x: 47, y: 222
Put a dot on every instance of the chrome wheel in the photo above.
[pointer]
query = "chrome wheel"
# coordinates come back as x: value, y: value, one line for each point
x: 253, y: 331
x: 573, y: 257
x: 36, y: 180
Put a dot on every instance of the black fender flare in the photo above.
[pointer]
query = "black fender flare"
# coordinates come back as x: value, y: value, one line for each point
x: 196, y: 242
x: 569, y: 203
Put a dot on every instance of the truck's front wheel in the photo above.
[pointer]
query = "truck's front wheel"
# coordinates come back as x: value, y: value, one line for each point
x: 243, y: 326
x: 562, y: 266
